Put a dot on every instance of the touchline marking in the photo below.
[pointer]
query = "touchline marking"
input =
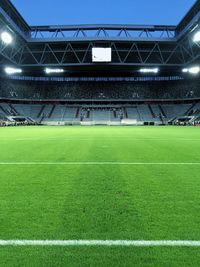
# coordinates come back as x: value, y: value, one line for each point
x: 124, y: 243
x: 98, y: 163
x: 113, y: 139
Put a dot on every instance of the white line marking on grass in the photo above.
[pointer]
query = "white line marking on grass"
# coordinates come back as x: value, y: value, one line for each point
x: 124, y: 243
x: 98, y: 163
x: 113, y: 139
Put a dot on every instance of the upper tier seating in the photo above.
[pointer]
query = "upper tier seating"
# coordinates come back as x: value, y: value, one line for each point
x: 181, y: 89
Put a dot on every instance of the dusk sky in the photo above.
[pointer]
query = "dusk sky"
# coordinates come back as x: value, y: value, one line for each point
x: 44, y: 12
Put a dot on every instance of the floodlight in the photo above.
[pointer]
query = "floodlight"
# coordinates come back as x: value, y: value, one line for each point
x: 196, y: 37
x: 11, y: 71
x: 6, y: 38
x: 49, y: 70
x: 185, y: 70
x: 149, y: 70
x: 194, y: 70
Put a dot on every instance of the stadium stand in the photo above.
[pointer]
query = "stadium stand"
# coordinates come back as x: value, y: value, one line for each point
x: 16, y: 89
x: 96, y: 103
x: 115, y: 90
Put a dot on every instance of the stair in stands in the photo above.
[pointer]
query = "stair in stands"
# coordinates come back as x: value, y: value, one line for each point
x: 41, y: 111
x: 151, y: 111
x: 5, y: 111
x: 125, y: 113
x: 190, y: 109
x: 162, y: 111
x: 13, y: 110
x: 51, y: 111
x: 77, y: 112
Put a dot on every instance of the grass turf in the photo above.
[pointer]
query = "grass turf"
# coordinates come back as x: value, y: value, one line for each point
x: 150, y: 202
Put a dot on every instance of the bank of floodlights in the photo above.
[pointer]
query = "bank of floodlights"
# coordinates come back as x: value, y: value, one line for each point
x: 196, y: 37
x: 149, y: 70
x: 6, y: 37
x: 51, y: 71
x: 10, y: 70
x: 192, y: 70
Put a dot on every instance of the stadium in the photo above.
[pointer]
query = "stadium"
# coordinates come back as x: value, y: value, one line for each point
x: 99, y: 142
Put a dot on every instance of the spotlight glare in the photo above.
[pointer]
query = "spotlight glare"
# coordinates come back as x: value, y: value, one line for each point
x: 185, y: 70
x: 155, y: 70
x: 6, y: 38
x: 49, y: 71
x: 196, y: 37
x: 194, y: 70
x: 11, y: 71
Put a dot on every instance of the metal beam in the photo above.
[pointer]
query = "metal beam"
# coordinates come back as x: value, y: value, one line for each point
x: 102, y: 32
x: 71, y: 45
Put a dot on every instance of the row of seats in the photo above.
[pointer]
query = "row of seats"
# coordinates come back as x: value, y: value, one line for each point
x: 16, y: 89
x: 49, y: 113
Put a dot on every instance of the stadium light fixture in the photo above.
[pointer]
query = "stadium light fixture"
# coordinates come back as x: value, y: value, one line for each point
x: 185, y: 70
x: 6, y: 38
x: 149, y: 70
x: 49, y: 70
x: 10, y: 71
x: 196, y: 37
x: 192, y: 70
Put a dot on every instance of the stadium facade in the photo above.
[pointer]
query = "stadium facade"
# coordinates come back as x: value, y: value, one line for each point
x: 150, y: 77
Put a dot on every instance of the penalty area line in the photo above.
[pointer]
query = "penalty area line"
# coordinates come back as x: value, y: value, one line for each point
x: 124, y: 243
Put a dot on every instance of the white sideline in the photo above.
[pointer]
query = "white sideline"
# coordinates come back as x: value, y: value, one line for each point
x: 97, y: 163
x: 113, y: 139
x: 124, y: 243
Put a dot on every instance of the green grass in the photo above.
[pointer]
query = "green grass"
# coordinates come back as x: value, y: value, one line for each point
x: 150, y: 202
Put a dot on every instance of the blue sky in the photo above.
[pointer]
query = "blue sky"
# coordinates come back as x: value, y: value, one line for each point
x: 46, y: 12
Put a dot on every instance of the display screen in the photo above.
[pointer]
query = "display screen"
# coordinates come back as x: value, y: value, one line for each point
x: 101, y: 54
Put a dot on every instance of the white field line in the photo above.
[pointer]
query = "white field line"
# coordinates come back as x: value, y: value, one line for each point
x: 113, y: 139
x: 98, y: 163
x: 124, y: 243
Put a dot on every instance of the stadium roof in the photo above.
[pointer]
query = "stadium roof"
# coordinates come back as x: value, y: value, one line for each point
x: 70, y: 46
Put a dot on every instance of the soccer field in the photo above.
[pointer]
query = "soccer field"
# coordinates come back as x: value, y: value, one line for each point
x: 133, y: 184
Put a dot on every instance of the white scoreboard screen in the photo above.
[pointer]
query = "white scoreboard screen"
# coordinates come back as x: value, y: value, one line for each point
x: 100, y: 54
